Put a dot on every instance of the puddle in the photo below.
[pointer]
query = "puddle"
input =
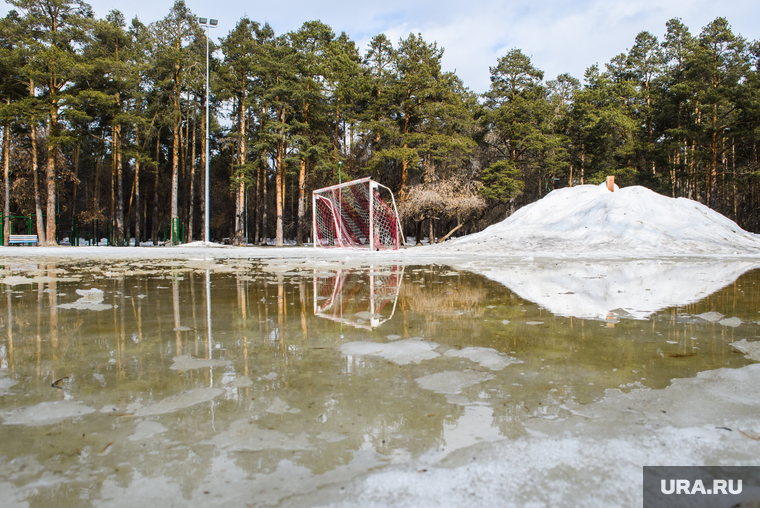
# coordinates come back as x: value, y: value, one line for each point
x: 173, y: 379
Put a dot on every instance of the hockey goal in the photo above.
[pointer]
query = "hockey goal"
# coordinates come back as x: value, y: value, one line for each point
x: 357, y: 214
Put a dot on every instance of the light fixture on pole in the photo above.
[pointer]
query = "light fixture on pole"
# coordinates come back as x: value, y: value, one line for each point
x: 207, y: 23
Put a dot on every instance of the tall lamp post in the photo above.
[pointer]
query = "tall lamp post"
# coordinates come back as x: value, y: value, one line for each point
x: 207, y: 23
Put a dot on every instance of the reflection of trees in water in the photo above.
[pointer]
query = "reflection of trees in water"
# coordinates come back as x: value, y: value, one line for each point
x: 263, y: 325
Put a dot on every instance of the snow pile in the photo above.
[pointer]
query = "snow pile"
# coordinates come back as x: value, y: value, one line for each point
x: 632, y: 221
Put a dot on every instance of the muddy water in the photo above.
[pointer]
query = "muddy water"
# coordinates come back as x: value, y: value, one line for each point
x: 171, y: 383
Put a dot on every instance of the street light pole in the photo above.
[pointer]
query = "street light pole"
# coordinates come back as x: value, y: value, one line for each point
x: 207, y: 23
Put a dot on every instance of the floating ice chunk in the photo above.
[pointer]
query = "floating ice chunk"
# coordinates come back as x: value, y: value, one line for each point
x: 90, y: 299
x: 186, y: 362
x: 46, y: 413
x: 14, y: 280
x: 147, y: 429
x: 710, y: 316
x: 486, y: 357
x: 732, y: 322
x: 505, y: 321
x: 245, y: 435
x: 534, y: 322
x: 269, y: 377
x: 401, y: 352
x: 5, y: 384
x: 393, y: 337
x: 331, y: 437
x: 179, y: 401
x: 452, y: 382
x: 279, y: 407
x: 751, y: 349
x: 183, y: 329
x: 241, y: 382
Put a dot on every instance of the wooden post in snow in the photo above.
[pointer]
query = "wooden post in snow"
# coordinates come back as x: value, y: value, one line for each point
x: 611, y: 183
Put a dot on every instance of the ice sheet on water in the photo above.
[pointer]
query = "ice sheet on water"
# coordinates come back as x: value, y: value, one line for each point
x: 5, y: 385
x: 179, y: 401
x: 241, y: 382
x: 452, y: 382
x: 486, y: 357
x: 751, y: 349
x: 401, y: 352
x: 710, y: 316
x: 46, y: 413
x: 186, y: 362
x: 89, y: 299
x: 246, y: 435
x: 147, y: 429
x: 279, y: 407
x: 733, y: 322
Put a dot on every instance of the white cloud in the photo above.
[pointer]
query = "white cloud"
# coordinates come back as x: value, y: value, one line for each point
x: 560, y: 36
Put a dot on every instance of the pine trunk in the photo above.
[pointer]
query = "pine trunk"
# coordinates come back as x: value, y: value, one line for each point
x: 50, y: 229
x: 6, y: 181
x: 37, y: 198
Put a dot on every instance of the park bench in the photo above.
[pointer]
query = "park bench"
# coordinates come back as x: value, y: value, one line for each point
x: 19, y: 239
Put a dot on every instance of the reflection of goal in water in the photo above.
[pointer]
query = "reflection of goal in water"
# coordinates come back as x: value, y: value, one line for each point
x: 362, y: 299
x: 355, y: 215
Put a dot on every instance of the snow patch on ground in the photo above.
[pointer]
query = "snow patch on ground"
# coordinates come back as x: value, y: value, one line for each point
x: 401, y: 352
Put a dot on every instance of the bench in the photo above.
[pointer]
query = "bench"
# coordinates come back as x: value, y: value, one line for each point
x: 18, y: 239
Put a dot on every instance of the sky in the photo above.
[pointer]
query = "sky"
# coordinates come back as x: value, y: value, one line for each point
x: 559, y: 36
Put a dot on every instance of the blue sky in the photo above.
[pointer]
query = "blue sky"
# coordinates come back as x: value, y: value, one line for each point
x: 559, y: 36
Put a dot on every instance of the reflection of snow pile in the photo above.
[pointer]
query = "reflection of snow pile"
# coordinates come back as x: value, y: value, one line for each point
x: 633, y: 221
x: 401, y: 352
x: 91, y: 299
x: 593, y: 291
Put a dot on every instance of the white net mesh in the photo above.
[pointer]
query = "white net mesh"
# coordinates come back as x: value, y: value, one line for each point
x: 355, y: 215
x: 359, y: 299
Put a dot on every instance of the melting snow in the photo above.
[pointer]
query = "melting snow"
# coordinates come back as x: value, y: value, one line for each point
x: 401, y: 352
x: 632, y: 221
x: 486, y: 357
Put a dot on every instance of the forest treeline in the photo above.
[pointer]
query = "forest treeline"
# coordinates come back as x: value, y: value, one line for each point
x: 104, y: 126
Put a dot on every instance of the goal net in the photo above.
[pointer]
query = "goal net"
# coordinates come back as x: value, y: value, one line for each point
x: 362, y: 299
x: 357, y: 214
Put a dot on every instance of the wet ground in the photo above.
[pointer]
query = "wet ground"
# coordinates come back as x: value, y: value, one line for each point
x: 174, y: 379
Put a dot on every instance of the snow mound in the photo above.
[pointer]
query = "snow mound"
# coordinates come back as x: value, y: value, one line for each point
x: 632, y: 221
